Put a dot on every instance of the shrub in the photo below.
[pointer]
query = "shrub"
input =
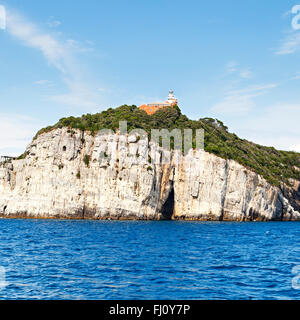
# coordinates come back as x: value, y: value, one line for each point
x: 86, y: 160
x: 22, y: 156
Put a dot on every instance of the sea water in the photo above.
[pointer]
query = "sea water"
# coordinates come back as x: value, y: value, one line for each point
x: 54, y: 259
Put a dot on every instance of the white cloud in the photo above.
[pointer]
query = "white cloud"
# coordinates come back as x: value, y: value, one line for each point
x: 277, y: 126
x: 290, y: 44
x: 255, y: 90
x: 43, y: 82
x: 297, y: 76
x: 246, y: 74
x: 234, y: 104
x: 232, y: 67
x: 241, y: 101
x: 80, y: 96
x: 2, y: 18
x: 295, y: 148
x: 73, y: 44
x: 58, y: 53
x: 16, y: 131
x: 53, y: 23
x: 53, y: 50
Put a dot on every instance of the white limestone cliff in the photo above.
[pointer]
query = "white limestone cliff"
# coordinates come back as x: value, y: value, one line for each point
x: 62, y: 177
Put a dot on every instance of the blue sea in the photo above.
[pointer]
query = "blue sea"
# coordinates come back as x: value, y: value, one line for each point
x: 54, y: 259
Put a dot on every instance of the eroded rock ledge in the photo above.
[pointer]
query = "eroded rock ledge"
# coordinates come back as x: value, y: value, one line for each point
x: 62, y: 178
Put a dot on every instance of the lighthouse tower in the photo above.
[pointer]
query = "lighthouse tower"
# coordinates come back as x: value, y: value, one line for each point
x: 171, y: 98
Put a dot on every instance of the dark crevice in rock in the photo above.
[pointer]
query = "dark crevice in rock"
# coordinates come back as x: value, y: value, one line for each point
x: 281, y: 203
x: 168, y: 207
x: 252, y: 215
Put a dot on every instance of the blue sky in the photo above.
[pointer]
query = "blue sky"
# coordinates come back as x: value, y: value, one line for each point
x: 238, y: 61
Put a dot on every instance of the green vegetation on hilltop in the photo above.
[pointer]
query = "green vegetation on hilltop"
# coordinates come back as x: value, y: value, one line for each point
x: 275, y: 166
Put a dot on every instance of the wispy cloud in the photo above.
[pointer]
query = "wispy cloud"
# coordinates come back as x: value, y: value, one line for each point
x: 238, y: 97
x: 295, y: 148
x: 246, y: 74
x: 235, y: 104
x: 29, y: 34
x: 241, y: 101
x: 296, y: 76
x: 290, y: 44
x: 79, y: 95
x: 53, y: 23
x: 255, y: 90
x: 77, y: 46
x: 59, y: 54
x: 276, y: 125
x: 43, y: 82
x: 2, y: 18
x: 16, y: 131
x: 233, y: 67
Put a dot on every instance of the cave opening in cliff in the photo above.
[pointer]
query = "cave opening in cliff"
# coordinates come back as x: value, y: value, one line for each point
x: 168, y: 207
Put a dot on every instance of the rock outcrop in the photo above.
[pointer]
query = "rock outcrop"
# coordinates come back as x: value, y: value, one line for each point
x: 74, y: 175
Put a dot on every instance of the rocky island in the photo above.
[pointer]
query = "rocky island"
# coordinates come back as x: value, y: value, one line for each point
x: 60, y: 175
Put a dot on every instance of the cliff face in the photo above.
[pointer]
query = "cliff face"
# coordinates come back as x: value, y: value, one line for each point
x: 62, y: 177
